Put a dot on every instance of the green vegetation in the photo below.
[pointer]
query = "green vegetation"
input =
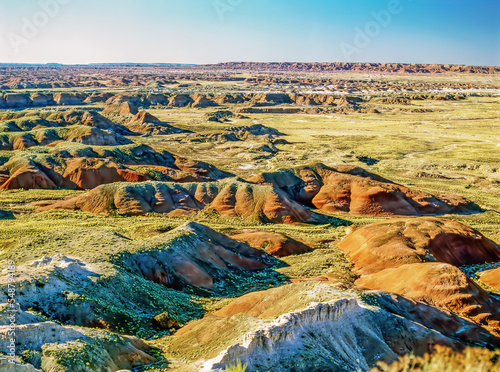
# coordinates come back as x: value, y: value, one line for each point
x: 446, y: 360
x: 238, y: 367
x: 434, y: 145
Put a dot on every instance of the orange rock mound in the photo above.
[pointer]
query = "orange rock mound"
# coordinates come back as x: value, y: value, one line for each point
x: 275, y: 244
x: 350, y: 189
x: 491, y: 278
x: 441, y: 285
x: 394, y: 242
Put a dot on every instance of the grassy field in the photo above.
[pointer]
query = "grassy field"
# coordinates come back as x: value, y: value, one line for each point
x: 453, y: 149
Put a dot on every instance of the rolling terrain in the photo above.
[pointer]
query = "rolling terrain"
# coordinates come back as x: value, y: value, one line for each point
x: 286, y: 217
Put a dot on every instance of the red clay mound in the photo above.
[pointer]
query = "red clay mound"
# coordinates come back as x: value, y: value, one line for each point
x: 275, y: 244
x: 84, y: 173
x: 438, y: 284
x: 89, y: 167
x: 200, y: 257
x: 144, y: 117
x: 229, y: 198
x: 400, y: 241
x: 4, y: 174
x: 69, y: 98
x: 353, y: 190
x: 28, y: 177
x: 491, y: 278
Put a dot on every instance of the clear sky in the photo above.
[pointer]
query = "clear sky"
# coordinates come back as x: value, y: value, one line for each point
x: 212, y: 31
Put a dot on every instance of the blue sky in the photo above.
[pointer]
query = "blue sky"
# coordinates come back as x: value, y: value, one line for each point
x: 212, y: 31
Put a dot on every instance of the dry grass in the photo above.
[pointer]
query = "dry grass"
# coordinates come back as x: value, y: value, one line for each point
x: 446, y: 360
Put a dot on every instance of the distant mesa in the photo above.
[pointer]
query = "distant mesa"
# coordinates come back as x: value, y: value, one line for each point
x: 393, y: 242
x: 229, y: 198
x: 354, y: 66
x: 345, y: 188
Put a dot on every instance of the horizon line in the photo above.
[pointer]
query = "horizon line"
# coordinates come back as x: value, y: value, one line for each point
x: 173, y: 64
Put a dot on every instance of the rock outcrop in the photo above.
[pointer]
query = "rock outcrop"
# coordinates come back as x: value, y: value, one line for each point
x: 296, y: 340
x: 341, y: 334
x: 353, y: 66
x: 201, y: 101
x: 126, y: 110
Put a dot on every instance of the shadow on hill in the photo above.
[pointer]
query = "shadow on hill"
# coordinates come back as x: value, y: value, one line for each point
x: 6, y: 215
x: 201, y: 261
